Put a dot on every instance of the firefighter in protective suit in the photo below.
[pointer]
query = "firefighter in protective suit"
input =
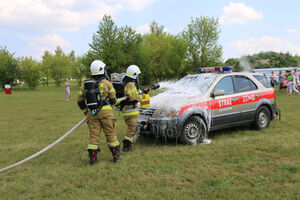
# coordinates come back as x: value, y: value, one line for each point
x: 101, y: 117
x: 130, y: 110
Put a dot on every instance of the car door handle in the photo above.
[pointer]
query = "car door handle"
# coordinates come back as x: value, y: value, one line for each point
x: 258, y: 95
x: 235, y: 99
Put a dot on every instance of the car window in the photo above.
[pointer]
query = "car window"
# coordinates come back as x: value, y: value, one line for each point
x: 225, y: 84
x: 253, y: 85
x: 263, y: 80
x: 243, y: 84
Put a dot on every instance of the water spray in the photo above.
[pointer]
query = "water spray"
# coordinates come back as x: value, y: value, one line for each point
x: 46, y: 148
x: 178, y: 94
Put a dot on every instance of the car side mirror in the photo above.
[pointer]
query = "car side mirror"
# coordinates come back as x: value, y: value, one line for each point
x: 217, y: 93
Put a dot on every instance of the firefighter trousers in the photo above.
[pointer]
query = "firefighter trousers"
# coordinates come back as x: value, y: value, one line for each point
x: 131, y: 123
x: 105, y: 121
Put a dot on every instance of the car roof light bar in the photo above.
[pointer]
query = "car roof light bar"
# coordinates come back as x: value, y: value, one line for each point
x: 214, y: 69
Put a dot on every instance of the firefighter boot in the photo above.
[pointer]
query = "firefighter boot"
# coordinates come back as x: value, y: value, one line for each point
x: 115, y: 153
x: 127, y: 146
x: 93, y: 155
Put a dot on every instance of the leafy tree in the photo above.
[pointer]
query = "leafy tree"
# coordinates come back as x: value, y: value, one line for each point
x: 273, y: 60
x: 163, y: 55
x: 81, y: 68
x: 105, y: 45
x: 130, y: 45
x: 156, y: 29
x: 72, y: 60
x: 30, y: 72
x: 116, y: 47
x: 57, y: 65
x: 202, y: 36
x: 176, y: 57
x: 235, y: 63
x: 46, y: 62
x: 8, y: 67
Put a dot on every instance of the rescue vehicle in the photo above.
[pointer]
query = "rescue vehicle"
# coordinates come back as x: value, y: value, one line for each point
x: 204, y: 102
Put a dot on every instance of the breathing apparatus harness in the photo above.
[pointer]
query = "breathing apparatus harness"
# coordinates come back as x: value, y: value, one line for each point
x: 127, y: 102
x: 93, y: 95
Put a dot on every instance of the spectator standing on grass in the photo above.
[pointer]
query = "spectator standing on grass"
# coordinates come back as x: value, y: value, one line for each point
x: 265, y: 75
x: 273, y: 79
x: 297, y: 74
x: 280, y: 78
x: 292, y: 83
x: 286, y: 81
x: 67, y: 90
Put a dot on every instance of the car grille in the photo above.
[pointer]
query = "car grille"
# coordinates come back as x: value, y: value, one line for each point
x: 147, y: 111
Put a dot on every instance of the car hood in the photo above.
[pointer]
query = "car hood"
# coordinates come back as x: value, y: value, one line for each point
x: 165, y: 103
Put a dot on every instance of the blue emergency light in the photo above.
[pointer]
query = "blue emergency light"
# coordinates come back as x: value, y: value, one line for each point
x: 227, y: 68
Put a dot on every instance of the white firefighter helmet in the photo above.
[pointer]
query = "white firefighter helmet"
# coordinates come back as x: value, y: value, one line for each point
x: 97, y: 67
x: 133, y: 71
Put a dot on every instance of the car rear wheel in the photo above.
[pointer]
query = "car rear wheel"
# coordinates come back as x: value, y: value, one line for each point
x: 194, y: 130
x: 262, y: 118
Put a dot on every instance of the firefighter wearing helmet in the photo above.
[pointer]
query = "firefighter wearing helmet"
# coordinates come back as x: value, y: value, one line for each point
x: 96, y: 97
x: 130, y: 110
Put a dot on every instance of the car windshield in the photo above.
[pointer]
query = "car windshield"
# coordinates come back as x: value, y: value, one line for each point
x: 191, y: 85
x: 182, y: 92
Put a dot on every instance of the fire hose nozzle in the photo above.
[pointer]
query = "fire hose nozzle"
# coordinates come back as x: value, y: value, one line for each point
x: 154, y: 86
x: 123, y: 99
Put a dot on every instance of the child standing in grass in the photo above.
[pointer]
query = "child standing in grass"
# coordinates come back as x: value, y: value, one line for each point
x: 67, y: 90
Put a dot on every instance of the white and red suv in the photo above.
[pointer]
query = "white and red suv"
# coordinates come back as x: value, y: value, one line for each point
x: 190, y: 108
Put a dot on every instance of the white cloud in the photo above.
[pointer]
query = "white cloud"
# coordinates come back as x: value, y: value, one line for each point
x: 136, y: 5
x: 46, y: 42
x: 43, y: 16
x: 238, y: 13
x: 143, y: 29
x: 265, y: 43
x: 291, y: 30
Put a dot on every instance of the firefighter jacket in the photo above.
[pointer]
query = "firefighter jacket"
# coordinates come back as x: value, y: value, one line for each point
x: 131, y: 92
x: 107, y: 92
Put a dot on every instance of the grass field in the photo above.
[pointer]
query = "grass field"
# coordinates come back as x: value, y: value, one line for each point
x: 240, y: 163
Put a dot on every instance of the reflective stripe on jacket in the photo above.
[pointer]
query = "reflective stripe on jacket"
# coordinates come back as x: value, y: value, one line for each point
x: 131, y: 92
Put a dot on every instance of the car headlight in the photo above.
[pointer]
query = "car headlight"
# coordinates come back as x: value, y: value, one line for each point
x: 164, y: 112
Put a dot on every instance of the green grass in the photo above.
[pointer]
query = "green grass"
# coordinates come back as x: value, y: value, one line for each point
x: 240, y: 163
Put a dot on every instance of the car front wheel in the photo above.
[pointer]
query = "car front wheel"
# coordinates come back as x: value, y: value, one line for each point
x: 194, y: 130
x: 262, y: 118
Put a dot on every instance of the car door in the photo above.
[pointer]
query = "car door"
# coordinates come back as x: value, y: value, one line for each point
x: 225, y: 109
x: 246, y: 90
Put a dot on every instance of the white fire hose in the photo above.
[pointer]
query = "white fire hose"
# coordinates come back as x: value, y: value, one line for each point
x: 45, y: 149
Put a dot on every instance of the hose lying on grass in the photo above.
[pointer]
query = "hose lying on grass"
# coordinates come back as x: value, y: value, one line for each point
x: 45, y: 149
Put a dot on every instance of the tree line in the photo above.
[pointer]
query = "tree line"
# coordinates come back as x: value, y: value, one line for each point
x: 159, y: 54
x: 266, y: 60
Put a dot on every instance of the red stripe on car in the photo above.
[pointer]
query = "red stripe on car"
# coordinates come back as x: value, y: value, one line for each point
x: 226, y: 102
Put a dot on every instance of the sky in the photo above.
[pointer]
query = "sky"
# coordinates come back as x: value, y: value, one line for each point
x: 29, y: 27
